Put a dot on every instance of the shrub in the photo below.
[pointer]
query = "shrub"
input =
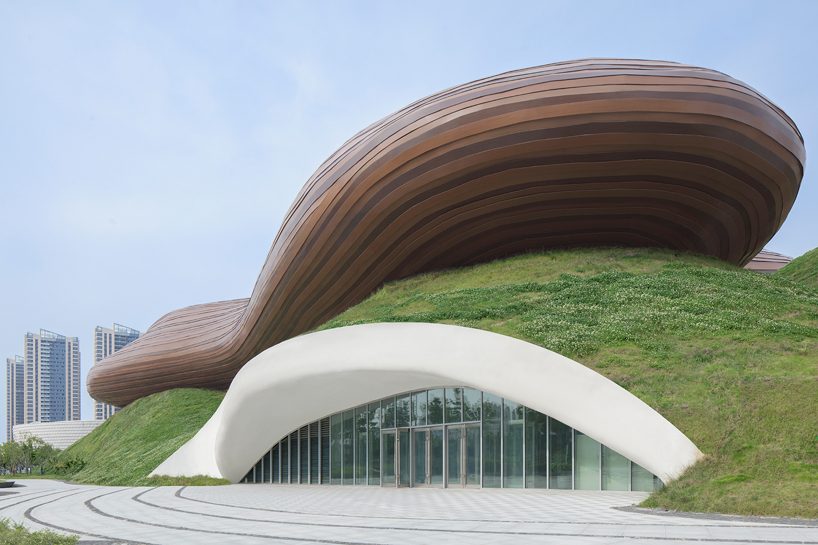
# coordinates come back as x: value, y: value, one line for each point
x: 12, y: 533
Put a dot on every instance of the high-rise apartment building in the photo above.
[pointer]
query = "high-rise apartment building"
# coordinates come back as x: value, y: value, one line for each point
x: 106, y: 342
x: 15, y: 394
x: 51, y: 377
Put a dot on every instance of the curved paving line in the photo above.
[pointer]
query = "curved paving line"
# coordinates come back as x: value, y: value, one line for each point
x: 138, y: 499
x: 89, y: 504
x: 178, y: 494
x: 15, y: 495
x: 6, y: 506
x: 30, y: 516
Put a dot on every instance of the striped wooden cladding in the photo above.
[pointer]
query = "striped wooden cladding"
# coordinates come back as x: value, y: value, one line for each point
x: 579, y: 153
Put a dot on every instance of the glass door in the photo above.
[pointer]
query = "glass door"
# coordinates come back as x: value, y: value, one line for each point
x: 388, y: 456
x: 454, y: 456
x: 420, y: 444
x: 463, y: 455
x: 403, y: 458
x: 436, y: 461
x: 427, y: 456
x: 471, y: 455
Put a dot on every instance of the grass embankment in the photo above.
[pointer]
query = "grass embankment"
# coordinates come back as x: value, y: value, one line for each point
x: 16, y: 534
x: 728, y: 356
x: 129, y: 445
x: 803, y: 270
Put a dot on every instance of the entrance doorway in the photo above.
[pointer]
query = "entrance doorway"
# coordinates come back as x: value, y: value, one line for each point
x: 427, y: 451
x: 431, y: 456
x: 395, y: 458
x: 463, y: 455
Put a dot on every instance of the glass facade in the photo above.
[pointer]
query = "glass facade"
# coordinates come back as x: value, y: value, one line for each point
x: 452, y: 437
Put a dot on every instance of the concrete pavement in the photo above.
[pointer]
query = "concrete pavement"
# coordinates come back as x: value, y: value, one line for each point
x: 250, y: 514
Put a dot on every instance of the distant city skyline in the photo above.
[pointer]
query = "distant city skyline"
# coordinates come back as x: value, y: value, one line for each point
x: 148, y: 152
x: 43, y: 385
x: 15, y: 393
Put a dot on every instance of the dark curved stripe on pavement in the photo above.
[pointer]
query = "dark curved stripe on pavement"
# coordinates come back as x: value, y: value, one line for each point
x: 89, y: 504
x: 179, y: 495
x: 30, y: 516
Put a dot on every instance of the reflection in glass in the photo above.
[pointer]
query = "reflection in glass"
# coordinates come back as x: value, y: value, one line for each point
x: 454, y: 449
x: 472, y: 447
x: 276, y: 463
x: 304, y: 455
x: 388, y: 459
x: 512, y: 446
x: 454, y: 412
x: 265, y: 469
x: 388, y: 405
x: 513, y: 430
x: 492, y: 458
x: 419, y: 438
x: 586, y: 470
x: 436, y: 456
x: 560, y: 454
x: 536, y: 449
x: 360, y: 444
x: 294, y: 457
x: 314, y: 456
x: 402, y: 409
x: 434, y: 413
x: 616, y: 470
x: 325, y: 451
x: 374, y: 443
x: 285, y: 461
x: 419, y: 408
x: 349, y: 451
x: 403, y: 457
x: 642, y: 480
x: 471, y: 405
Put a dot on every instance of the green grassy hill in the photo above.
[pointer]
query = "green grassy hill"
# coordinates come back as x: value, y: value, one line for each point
x: 803, y: 270
x: 129, y: 445
x: 727, y: 355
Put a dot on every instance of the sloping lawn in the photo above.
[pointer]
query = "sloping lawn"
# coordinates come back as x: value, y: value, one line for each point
x: 802, y: 270
x: 129, y: 445
x: 727, y: 355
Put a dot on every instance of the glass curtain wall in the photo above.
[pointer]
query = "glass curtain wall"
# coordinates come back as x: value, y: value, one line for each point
x: 451, y: 437
x: 513, y: 428
x: 374, y: 444
x: 536, y: 449
x: 492, y: 441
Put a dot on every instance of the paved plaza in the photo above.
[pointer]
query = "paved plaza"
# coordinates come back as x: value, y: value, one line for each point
x: 249, y: 514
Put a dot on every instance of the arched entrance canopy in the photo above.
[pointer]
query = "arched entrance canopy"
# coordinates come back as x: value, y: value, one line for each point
x: 309, y: 377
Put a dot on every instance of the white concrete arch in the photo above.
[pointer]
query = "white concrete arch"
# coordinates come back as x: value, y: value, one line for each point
x: 312, y: 376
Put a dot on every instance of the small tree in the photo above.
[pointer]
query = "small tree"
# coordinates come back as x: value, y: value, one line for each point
x: 4, y: 457
x: 11, y: 456
x: 43, y: 455
x: 31, y: 447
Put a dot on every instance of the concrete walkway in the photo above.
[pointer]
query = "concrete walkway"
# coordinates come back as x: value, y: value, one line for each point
x: 249, y: 514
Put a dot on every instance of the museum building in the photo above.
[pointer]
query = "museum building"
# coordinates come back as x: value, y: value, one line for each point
x: 592, y: 152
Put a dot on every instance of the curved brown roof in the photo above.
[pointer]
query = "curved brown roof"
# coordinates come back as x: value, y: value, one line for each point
x: 579, y: 153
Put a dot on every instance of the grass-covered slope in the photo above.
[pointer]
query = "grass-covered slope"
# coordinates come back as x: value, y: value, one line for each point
x: 727, y: 355
x: 129, y: 445
x: 803, y: 270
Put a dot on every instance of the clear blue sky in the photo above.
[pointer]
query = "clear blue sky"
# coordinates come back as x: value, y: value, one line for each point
x: 148, y: 150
